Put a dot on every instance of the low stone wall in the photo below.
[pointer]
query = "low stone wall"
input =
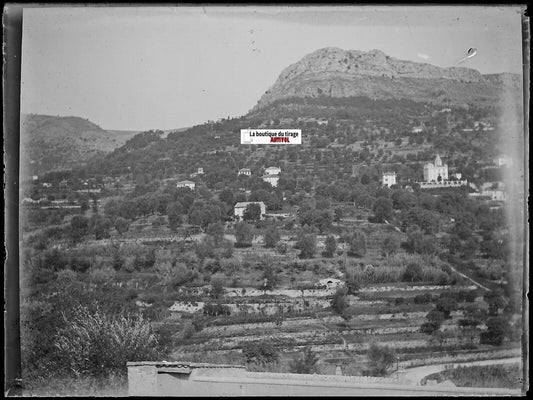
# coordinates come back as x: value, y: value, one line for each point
x: 181, y: 379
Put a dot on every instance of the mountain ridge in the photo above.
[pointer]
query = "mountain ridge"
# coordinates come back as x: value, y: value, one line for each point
x: 335, y: 72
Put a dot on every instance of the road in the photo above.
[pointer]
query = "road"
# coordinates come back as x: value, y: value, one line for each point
x: 415, y: 375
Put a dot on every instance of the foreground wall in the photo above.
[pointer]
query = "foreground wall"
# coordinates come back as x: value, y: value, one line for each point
x: 193, y: 379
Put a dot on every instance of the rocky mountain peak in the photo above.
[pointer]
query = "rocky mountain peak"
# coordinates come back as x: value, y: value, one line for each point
x: 332, y: 71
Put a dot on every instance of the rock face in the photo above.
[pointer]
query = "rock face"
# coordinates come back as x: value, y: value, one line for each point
x: 343, y: 73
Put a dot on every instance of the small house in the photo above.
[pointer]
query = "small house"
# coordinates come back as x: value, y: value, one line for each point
x: 241, y: 207
x: 188, y: 184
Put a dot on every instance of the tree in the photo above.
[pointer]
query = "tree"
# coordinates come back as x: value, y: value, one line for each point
x: 382, y: 209
x: 357, y: 243
x: 391, y: 244
x: 270, y: 277
x: 495, y: 301
x: 216, y: 230
x: 174, y: 212
x: 243, y: 233
x: 306, y: 363
x: 380, y: 359
x: 412, y: 273
x: 331, y: 246
x: 497, y: 329
x: 252, y: 212
x: 271, y: 236
x: 339, y: 302
x: 101, y: 228
x: 217, y: 286
x: 79, y: 228
x: 307, y: 245
x: 227, y: 196
x: 121, y: 225
x: 446, y: 305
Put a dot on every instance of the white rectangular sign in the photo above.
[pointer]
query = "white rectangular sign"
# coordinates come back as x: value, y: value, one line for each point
x: 271, y: 136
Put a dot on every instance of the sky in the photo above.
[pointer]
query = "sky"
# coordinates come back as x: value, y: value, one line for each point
x: 141, y: 68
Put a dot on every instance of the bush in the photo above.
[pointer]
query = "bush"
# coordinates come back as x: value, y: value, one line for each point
x: 281, y: 248
x: 413, y: 273
x: 339, y: 302
x: 497, y: 329
x: 97, y: 344
x: 423, y: 298
x: 429, y: 328
x: 306, y: 364
x: 446, y: 305
x: 262, y: 352
x: 380, y: 359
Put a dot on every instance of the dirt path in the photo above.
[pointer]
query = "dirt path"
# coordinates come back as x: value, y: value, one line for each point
x: 415, y: 375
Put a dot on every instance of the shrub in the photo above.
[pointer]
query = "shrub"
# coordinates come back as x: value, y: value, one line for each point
x: 307, y: 245
x: 306, y: 364
x: 281, y: 247
x: 429, y: 328
x: 97, y: 344
x: 357, y: 243
x: 262, y: 352
x: 497, y: 329
x: 380, y: 359
x: 339, y: 302
x: 331, y: 246
x: 446, y: 305
x: 423, y: 298
x: 413, y: 273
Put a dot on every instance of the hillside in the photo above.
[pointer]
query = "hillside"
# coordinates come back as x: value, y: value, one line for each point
x: 347, y: 73
x: 52, y: 142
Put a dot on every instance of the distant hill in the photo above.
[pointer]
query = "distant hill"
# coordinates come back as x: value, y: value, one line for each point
x: 338, y: 73
x: 52, y: 142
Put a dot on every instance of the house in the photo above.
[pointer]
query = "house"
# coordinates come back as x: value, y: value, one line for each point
x: 241, y: 207
x: 199, y: 172
x: 245, y: 171
x: 417, y: 129
x: 188, y: 184
x: 34, y: 177
x: 389, y: 179
x: 436, y: 172
x: 503, y: 160
x: 322, y: 121
x: 272, y: 179
x: 272, y: 171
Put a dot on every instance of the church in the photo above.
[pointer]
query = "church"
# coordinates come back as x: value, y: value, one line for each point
x: 436, y: 172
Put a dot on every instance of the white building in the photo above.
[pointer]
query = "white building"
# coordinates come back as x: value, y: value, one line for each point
x: 436, y: 172
x: 389, y: 179
x: 273, y: 171
x: 200, y: 171
x: 272, y: 179
x: 245, y: 171
x: 417, y: 129
x: 188, y: 184
x: 241, y: 207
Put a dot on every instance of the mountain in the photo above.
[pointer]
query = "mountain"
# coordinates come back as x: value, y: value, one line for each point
x: 53, y: 142
x: 334, y: 72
